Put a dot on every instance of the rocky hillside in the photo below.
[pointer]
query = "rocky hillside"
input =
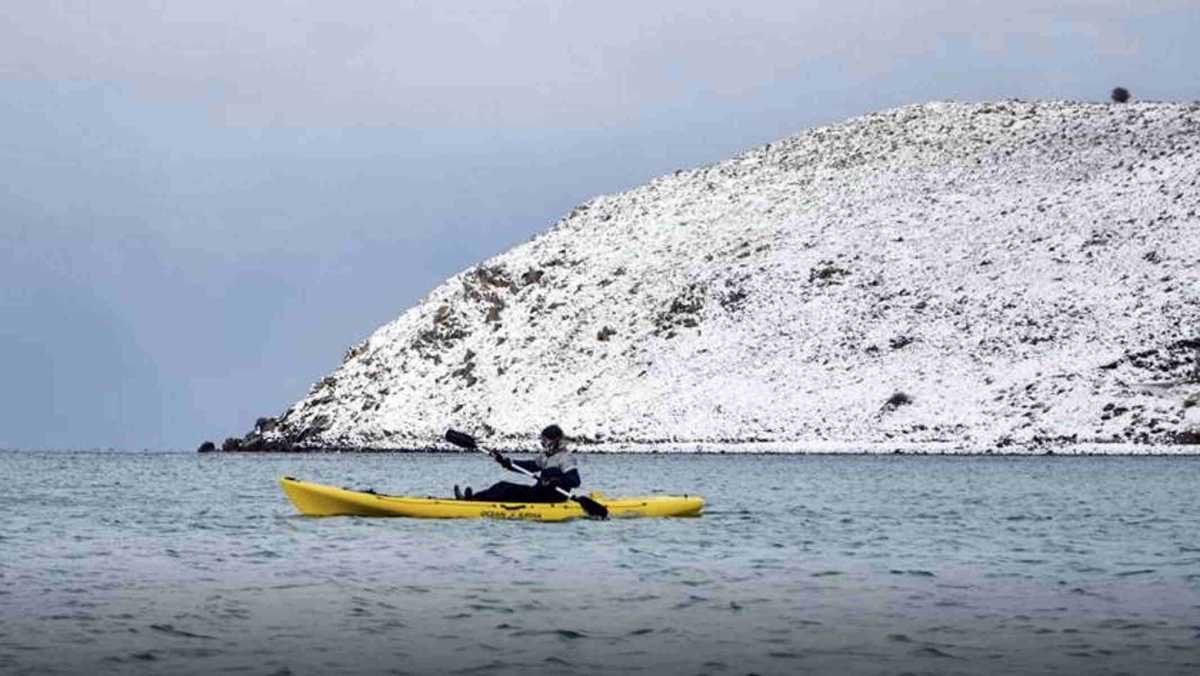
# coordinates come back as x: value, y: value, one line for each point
x: 947, y: 276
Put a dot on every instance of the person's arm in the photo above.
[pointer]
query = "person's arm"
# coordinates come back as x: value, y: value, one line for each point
x: 511, y: 465
x: 527, y: 465
x: 568, y: 480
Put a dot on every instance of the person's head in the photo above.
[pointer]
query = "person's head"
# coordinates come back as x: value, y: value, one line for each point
x: 552, y: 438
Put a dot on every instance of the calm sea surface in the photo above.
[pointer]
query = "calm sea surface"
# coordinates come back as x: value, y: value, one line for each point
x: 169, y: 563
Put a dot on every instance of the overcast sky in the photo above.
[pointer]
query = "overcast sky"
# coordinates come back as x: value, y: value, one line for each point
x: 202, y: 204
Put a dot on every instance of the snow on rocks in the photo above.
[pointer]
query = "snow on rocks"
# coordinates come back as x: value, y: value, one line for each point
x: 1005, y: 276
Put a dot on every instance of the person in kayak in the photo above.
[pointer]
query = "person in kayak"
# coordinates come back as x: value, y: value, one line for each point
x: 554, y: 465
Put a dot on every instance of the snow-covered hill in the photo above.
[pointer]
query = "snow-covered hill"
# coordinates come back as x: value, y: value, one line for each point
x: 947, y: 276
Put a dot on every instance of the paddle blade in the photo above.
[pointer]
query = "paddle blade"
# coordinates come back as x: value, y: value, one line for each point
x: 592, y: 508
x: 461, y: 439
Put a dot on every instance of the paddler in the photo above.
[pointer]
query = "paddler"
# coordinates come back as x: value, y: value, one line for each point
x: 554, y: 466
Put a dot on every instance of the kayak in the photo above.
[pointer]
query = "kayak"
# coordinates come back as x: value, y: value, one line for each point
x: 319, y: 500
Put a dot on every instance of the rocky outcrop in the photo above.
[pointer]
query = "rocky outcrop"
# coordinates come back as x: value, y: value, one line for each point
x: 1014, y: 275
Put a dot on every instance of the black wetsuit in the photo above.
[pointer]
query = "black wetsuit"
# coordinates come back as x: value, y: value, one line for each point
x: 560, y: 466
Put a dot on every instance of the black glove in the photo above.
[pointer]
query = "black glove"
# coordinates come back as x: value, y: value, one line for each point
x: 504, y: 462
x: 548, y: 481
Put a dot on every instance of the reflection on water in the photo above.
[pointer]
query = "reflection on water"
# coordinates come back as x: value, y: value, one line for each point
x: 196, y: 564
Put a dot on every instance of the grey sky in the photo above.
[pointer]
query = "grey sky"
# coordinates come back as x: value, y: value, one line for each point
x: 203, y: 204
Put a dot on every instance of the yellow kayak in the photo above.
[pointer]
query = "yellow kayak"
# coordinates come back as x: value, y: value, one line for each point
x: 318, y: 500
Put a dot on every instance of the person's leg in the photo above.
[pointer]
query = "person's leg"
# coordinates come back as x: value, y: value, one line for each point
x: 546, y: 494
x: 505, y: 491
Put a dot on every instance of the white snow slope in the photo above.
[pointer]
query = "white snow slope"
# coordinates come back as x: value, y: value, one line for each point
x: 1010, y: 275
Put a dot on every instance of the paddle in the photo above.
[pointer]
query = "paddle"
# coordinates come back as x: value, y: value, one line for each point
x: 592, y: 508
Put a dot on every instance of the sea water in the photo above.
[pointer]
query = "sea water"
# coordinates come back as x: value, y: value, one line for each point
x: 179, y: 563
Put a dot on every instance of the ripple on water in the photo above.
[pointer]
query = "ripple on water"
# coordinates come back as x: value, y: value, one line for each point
x: 637, y: 598
x: 785, y: 654
x: 170, y: 630
x: 691, y: 600
x: 930, y: 651
x: 914, y: 572
x: 493, y: 666
x: 1131, y: 573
